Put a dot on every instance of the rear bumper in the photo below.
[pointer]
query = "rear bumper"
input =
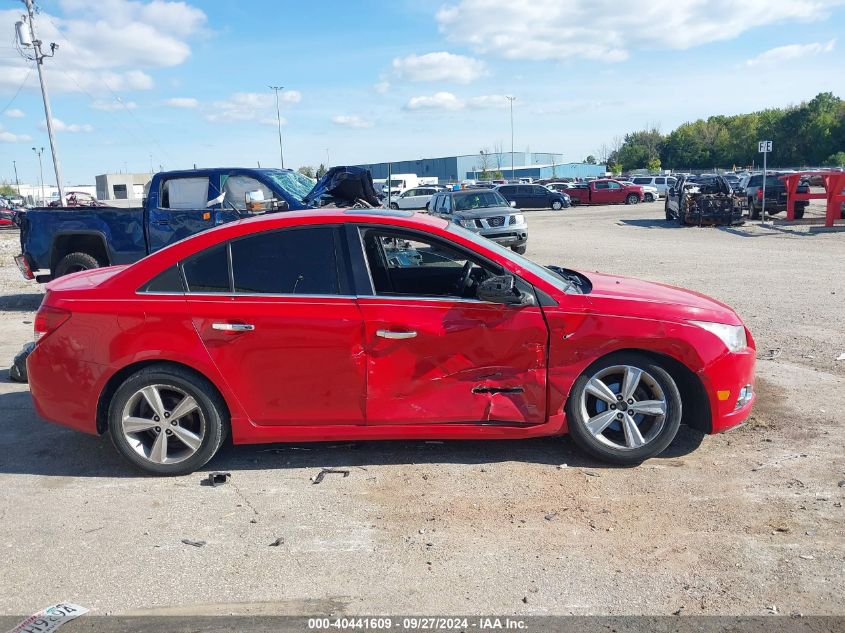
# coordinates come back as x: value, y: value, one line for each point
x: 724, y: 380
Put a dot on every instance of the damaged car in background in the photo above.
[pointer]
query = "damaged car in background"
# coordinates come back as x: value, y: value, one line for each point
x: 702, y: 200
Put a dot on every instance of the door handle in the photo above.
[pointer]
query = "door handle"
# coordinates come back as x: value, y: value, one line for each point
x: 162, y: 222
x: 233, y: 327
x: 395, y: 335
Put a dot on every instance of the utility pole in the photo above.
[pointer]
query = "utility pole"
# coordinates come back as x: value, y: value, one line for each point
x: 17, y: 182
x: 35, y: 43
x: 511, y: 99
x: 40, y: 170
x: 279, y: 122
x: 328, y: 160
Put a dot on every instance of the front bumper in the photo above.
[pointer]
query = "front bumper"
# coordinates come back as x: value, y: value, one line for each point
x: 724, y: 380
x: 507, y: 236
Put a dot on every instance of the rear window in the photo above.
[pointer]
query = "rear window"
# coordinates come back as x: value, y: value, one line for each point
x: 168, y: 281
x: 293, y: 261
x: 208, y: 271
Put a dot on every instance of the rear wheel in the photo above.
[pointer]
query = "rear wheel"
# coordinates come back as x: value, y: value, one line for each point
x: 632, y: 199
x: 753, y: 211
x: 74, y: 263
x: 166, y: 420
x: 557, y: 205
x: 624, y: 409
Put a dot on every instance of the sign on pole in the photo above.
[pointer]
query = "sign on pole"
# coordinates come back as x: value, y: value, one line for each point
x: 764, y: 147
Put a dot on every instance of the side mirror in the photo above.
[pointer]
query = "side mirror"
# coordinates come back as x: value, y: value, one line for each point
x: 513, y: 204
x: 254, y: 201
x: 502, y: 289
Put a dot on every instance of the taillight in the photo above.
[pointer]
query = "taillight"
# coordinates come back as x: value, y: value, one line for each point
x: 759, y: 194
x: 48, y: 319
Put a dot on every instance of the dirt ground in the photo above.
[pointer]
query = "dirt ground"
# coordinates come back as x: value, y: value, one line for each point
x: 747, y: 522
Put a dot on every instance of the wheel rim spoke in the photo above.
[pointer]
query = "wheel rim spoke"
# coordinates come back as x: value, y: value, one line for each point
x: 633, y: 437
x: 649, y: 407
x: 630, y: 382
x: 189, y: 438
x: 601, y: 391
x: 158, y: 451
x: 600, y: 422
x: 137, y: 425
x: 153, y: 398
x: 186, y: 406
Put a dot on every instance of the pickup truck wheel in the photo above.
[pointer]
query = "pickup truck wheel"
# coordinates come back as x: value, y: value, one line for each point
x: 394, y: 206
x: 624, y: 409
x: 632, y: 199
x: 753, y: 211
x: 649, y: 197
x: 799, y: 212
x: 520, y: 250
x: 167, y: 421
x: 74, y: 263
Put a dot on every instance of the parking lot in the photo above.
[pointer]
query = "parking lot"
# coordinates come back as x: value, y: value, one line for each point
x: 748, y: 522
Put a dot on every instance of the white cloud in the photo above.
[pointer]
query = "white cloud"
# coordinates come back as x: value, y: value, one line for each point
x: 106, y: 43
x: 10, y: 137
x: 488, y: 101
x: 61, y: 126
x: 381, y: 87
x: 437, y: 101
x: 271, y: 120
x: 440, y: 66
x: 15, y: 113
x: 791, y: 52
x: 351, y: 120
x: 112, y: 106
x: 248, y: 106
x: 182, y: 102
x: 607, y: 30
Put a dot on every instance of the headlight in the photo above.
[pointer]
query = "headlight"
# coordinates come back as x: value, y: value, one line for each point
x: 518, y: 218
x: 467, y: 224
x: 733, y: 336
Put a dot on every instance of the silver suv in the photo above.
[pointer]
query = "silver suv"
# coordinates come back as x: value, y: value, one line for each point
x: 661, y: 183
x: 484, y: 212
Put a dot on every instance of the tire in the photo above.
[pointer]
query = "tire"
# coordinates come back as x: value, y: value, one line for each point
x: 394, y: 206
x: 649, y: 197
x: 208, y: 422
x: 520, y: 250
x: 753, y: 211
x: 557, y: 205
x: 799, y: 212
x: 74, y: 263
x: 615, y: 443
x: 632, y: 199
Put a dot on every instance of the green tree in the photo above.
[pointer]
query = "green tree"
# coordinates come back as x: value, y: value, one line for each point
x: 639, y: 148
x: 590, y: 160
x: 835, y: 160
x: 7, y: 190
x: 615, y: 168
x: 306, y: 170
x: 653, y: 164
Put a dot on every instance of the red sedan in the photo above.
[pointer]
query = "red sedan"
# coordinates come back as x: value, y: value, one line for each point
x: 330, y: 325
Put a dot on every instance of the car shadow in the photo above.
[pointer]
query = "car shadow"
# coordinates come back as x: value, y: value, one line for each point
x: 651, y: 223
x: 21, y: 302
x: 30, y: 446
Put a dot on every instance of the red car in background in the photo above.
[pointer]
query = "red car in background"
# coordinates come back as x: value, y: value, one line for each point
x: 353, y: 325
x: 604, y: 191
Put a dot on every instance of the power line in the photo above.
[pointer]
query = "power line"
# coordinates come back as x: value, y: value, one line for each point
x: 17, y: 92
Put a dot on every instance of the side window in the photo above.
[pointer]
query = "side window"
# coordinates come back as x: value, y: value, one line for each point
x: 208, y: 271
x: 168, y: 281
x: 537, y: 190
x: 412, y: 265
x: 235, y: 189
x: 409, y: 193
x: 292, y: 261
x: 659, y: 181
x: 642, y: 181
x: 434, y: 203
x: 507, y: 191
x: 446, y: 204
x: 184, y: 193
x: 613, y: 185
x: 602, y: 185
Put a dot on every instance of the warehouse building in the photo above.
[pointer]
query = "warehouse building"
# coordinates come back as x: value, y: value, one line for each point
x: 470, y: 166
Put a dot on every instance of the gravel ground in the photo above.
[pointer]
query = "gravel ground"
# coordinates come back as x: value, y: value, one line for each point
x: 748, y: 522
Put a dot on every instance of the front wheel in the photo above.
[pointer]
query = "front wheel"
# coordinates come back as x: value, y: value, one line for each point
x: 166, y: 420
x: 557, y: 205
x: 624, y: 409
x: 649, y: 197
x: 520, y: 250
x: 632, y: 199
x: 394, y: 206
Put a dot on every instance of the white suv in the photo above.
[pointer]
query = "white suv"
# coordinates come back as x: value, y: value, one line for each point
x: 661, y: 183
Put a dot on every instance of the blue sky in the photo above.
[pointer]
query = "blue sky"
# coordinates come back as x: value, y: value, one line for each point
x: 139, y: 82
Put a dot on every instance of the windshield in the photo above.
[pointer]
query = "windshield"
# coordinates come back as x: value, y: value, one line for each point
x: 292, y: 182
x: 397, y: 183
x: 480, y: 200
x: 523, y: 262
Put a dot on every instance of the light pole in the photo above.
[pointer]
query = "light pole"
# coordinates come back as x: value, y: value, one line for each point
x: 511, y: 100
x: 41, y: 171
x: 279, y: 122
x: 17, y: 182
x: 328, y: 159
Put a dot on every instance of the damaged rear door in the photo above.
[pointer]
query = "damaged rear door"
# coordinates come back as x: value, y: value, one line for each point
x: 437, y: 356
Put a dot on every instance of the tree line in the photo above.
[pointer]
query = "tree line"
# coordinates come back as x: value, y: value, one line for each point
x: 809, y: 134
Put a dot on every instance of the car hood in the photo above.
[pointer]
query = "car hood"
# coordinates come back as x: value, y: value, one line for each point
x: 627, y: 296
x: 487, y: 212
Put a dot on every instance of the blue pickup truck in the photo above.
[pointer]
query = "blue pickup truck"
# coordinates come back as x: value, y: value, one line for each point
x: 59, y: 241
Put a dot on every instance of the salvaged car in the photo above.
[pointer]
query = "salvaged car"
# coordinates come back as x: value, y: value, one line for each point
x: 703, y: 200
x: 377, y: 324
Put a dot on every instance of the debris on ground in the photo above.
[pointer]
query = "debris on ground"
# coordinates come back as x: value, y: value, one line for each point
x: 841, y: 356
x: 591, y: 473
x: 17, y: 372
x: 550, y: 516
x: 193, y: 543
x: 807, y: 557
x: 841, y: 484
x: 277, y: 542
x: 562, y: 466
x: 215, y: 479
x: 329, y: 471
x: 773, y: 354
x: 50, y: 618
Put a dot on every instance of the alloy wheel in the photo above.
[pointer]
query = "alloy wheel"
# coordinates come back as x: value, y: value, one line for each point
x: 624, y: 407
x: 163, y: 424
